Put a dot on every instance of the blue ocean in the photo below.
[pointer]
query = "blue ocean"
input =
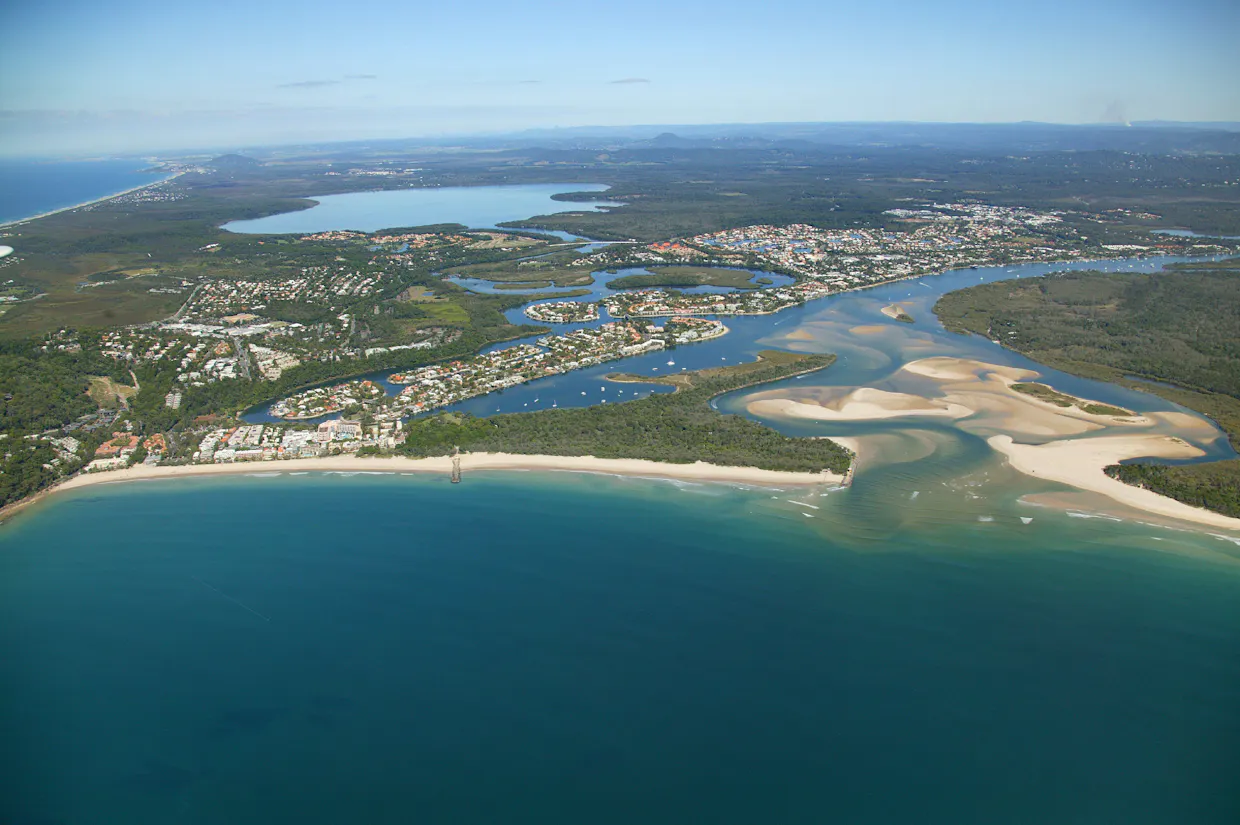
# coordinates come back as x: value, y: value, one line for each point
x: 554, y: 648
x: 32, y: 187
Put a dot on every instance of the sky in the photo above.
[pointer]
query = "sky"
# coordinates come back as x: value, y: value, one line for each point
x: 93, y: 78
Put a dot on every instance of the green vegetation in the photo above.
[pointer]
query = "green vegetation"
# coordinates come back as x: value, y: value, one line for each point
x: 1212, y: 486
x: 562, y: 268
x: 679, y: 427
x: 1060, y: 399
x: 687, y: 276
x: 1180, y: 327
x: 42, y: 391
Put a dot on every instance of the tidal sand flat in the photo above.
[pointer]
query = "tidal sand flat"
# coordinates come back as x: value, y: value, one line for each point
x: 1061, y: 446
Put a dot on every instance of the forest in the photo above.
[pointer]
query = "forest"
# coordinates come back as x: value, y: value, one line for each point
x: 678, y: 427
x: 1174, y: 333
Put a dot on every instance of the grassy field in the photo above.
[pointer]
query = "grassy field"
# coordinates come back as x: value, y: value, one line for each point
x: 418, y: 294
x: 446, y: 312
x: 558, y: 268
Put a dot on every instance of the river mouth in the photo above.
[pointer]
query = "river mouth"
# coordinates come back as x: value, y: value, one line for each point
x: 925, y: 454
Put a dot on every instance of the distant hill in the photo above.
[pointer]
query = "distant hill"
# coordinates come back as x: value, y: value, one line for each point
x: 234, y: 163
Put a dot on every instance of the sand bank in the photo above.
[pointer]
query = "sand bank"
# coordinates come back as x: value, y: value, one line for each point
x: 865, y: 404
x: 1078, y: 462
x: 895, y: 311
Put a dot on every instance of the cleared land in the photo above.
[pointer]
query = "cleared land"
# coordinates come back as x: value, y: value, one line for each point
x: 108, y: 393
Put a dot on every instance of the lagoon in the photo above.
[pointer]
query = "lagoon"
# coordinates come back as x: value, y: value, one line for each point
x: 477, y: 207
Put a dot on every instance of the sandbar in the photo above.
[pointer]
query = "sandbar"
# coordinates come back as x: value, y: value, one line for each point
x: 865, y: 404
x: 1079, y: 463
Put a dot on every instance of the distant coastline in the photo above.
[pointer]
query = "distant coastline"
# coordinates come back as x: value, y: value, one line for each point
x: 103, y: 199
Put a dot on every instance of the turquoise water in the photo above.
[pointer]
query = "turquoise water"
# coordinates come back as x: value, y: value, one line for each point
x: 478, y: 207
x: 550, y: 648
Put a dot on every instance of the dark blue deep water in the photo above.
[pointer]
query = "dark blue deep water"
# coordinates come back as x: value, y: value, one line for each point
x: 32, y: 187
x: 532, y: 648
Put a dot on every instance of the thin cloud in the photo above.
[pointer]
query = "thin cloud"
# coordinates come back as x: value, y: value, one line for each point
x: 361, y: 77
x: 308, y: 84
x: 627, y: 81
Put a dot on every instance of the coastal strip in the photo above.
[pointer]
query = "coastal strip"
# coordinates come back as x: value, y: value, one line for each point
x: 699, y: 471
x: 104, y: 199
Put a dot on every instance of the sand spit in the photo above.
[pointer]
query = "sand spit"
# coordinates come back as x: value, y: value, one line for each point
x: 1079, y: 462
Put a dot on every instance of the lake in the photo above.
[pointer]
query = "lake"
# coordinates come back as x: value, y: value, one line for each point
x: 478, y: 207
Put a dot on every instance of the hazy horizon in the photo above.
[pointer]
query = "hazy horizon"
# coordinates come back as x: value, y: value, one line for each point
x: 141, y: 76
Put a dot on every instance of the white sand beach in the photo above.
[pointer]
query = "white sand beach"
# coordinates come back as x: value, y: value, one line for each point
x: 1078, y: 462
x: 698, y: 471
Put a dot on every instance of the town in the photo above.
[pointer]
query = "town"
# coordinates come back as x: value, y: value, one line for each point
x: 228, y: 330
x: 440, y: 385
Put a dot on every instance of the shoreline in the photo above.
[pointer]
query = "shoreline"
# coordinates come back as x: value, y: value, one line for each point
x: 698, y: 471
x: 104, y: 199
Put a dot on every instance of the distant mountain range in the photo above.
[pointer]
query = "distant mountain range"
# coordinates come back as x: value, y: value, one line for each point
x: 1147, y: 137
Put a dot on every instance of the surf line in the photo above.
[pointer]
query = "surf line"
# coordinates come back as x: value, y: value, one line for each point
x: 231, y: 599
